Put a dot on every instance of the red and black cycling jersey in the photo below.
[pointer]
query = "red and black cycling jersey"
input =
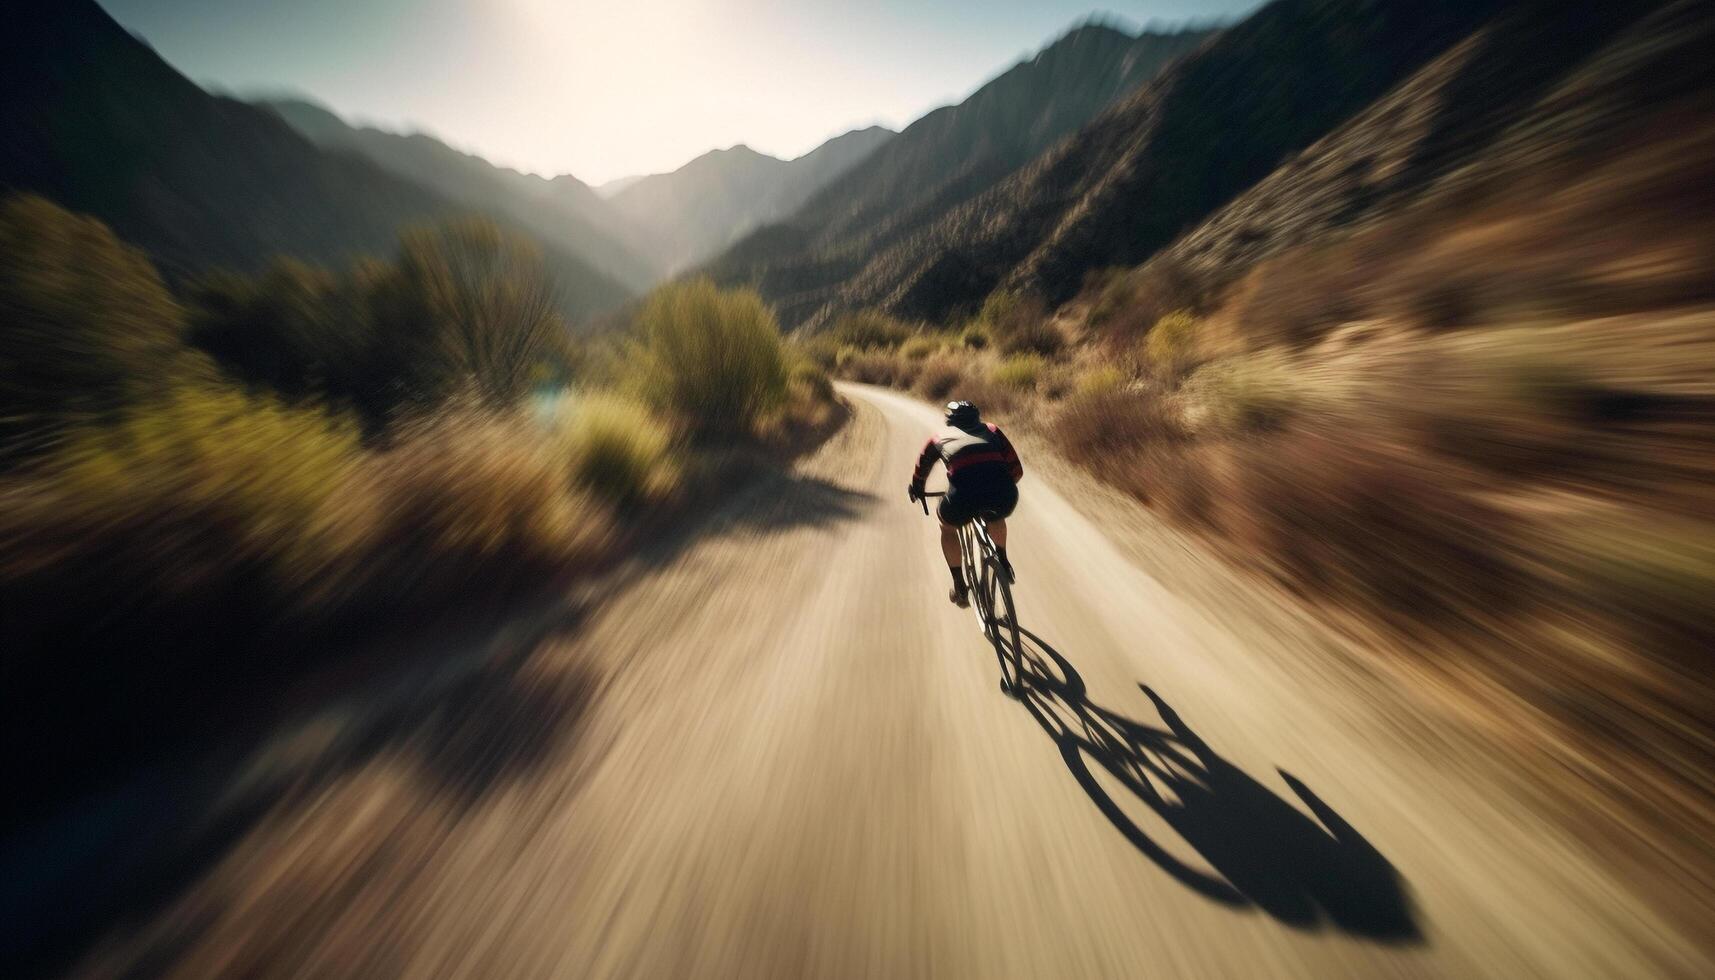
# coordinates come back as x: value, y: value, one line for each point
x: 975, y: 457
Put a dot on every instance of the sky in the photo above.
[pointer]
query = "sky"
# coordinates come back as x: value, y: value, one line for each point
x: 610, y: 88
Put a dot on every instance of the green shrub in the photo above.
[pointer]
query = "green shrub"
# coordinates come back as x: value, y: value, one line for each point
x: 870, y: 329
x: 85, y: 323
x: 194, y: 481
x: 212, y: 498
x: 974, y: 337
x: 1100, y: 381
x: 616, y: 448
x: 1171, y: 342
x: 918, y: 348
x: 1020, y: 372
x: 712, y: 356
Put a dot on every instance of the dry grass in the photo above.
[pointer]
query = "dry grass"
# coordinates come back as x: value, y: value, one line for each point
x: 870, y: 330
x: 469, y: 495
x: 940, y: 377
x: 918, y: 348
x: 1172, y: 343
x: 879, y: 367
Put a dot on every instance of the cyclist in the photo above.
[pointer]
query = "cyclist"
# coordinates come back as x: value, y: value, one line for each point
x: 983, y: 471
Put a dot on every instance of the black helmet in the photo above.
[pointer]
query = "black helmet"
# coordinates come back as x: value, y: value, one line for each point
x: 962, y: 413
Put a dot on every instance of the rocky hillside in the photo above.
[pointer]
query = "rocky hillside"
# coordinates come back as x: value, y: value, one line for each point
x: 1600, y: 77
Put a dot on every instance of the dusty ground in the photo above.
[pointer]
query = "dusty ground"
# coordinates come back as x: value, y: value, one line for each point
x: 780, y: 752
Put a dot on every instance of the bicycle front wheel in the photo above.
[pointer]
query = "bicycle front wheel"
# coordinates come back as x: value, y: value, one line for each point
x: 982, y: 597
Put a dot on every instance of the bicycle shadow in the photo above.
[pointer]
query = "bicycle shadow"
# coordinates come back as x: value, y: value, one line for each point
x: 1267, y: 854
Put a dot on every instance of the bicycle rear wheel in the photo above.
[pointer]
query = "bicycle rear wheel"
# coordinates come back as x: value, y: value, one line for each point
x: 1004, y: 623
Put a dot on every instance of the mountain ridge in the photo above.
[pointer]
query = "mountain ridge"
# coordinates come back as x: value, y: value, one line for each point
x: 944, y: 158
x: 562, y: 209
x: 722, y: 194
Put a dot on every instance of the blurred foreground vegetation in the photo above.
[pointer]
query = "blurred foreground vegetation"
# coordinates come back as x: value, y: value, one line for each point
x: 285, y: 461
x: 1481, y: 437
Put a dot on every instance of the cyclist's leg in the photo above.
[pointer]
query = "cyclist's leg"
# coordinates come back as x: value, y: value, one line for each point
x: 952, y: 514
x: 1005, y: 501
x: 950, y: 544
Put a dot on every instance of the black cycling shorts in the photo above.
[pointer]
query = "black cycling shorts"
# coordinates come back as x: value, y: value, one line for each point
x: 958, y: 507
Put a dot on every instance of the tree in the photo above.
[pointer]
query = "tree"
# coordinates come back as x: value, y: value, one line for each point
x: 491, y: 304
x: 85, y: 323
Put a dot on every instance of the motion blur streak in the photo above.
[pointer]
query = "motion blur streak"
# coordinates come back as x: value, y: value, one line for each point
x: 798, y: 764
x: 406, y: 572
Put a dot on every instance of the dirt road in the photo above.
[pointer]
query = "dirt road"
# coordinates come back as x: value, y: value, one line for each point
x: 782, y: 753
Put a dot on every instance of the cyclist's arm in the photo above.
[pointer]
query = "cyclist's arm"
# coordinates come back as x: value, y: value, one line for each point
x: 1014, y: 465
x: 925, y: 463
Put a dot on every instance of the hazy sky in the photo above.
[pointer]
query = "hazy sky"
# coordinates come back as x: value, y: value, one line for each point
x: 606, y: 88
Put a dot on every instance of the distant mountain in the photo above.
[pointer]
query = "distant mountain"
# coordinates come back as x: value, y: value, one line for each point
x: 944, y: 159
x: 616, y: 185
x: 563, y: 212
x: 699, y: 209
x: 93, y: 119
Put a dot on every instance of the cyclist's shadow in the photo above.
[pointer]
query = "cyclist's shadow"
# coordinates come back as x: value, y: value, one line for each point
x: 1266, y: 853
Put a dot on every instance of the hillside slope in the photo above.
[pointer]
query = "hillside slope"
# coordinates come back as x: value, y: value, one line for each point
x: 562, y: 211
x: 944, y: 159
x: 705, y: 205
x: 95, y: 120
x: 1599, y: 79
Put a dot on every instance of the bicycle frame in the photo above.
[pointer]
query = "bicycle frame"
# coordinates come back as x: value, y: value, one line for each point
x: 983, y: 576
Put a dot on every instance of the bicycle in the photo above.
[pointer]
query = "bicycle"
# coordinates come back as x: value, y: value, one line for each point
x: 987, y: 582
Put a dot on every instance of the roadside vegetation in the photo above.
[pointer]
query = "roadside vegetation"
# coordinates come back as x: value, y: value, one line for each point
x: 1485, y: 434
x: 213, y: 486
